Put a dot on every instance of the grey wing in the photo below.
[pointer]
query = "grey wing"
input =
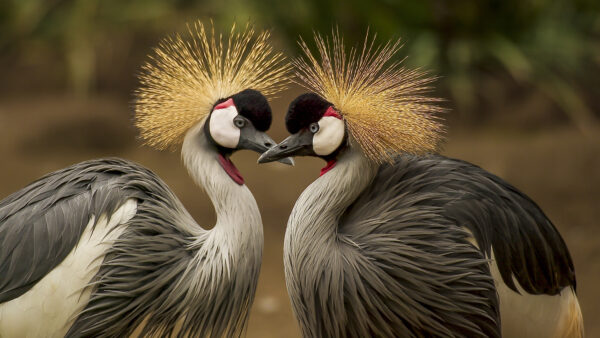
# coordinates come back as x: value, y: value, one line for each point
x: 434, y: 281
x: 526, y: 244
x: 41, y: 223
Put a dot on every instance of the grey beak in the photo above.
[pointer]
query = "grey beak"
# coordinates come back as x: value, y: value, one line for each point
x: 258, y: 141
x: 299, y: 144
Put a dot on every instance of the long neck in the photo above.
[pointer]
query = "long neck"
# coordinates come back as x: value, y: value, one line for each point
x: 320, y: 206
x: 311, y: 237
x: 239, y: 225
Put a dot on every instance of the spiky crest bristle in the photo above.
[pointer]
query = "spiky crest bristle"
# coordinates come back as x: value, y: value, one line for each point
x: 187, y: 74
x: 383, y: 103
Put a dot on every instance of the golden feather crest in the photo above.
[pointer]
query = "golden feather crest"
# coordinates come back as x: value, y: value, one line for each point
x: 382, y: 102
x: 187, y: 74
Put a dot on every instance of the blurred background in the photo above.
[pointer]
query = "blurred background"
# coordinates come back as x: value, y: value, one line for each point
x: 521, y: 80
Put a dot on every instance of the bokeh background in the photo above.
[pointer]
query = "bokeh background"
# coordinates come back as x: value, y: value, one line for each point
x: 520, y: 79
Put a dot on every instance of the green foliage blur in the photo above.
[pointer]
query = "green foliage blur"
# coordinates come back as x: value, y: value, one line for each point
x: 485, y: 52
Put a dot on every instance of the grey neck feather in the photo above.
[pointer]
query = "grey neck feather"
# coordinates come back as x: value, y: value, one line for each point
x: 231, y: 252
x: 317, y: 211
x: 312, y: 228
x: 238, y: 216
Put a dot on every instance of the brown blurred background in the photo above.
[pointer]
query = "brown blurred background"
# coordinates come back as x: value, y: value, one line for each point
x: 521, y: 80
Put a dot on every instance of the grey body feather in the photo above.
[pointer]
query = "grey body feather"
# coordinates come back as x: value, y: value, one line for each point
x: 158, y: 272
x: 526, y: 244
x: 368, y: 254
x: 41, y: 223
x: 384, y: 252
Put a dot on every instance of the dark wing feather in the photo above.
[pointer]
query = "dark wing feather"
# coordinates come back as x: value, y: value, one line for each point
x: 407, y: 224
x: 41, y: 223
x: 418, y: 275
x: 525, y: 242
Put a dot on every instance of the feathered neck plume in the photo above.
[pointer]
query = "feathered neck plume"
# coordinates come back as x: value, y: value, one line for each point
x: 187, y: 74
x: 382, y: 102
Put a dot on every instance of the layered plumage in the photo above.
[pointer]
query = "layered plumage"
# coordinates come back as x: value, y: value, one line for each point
x: 394, y: 240
x: 103, y: 248
x: 365, y: 255
x: 154, y: 271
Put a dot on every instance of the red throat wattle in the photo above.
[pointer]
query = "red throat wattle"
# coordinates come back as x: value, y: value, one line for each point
x: 230, y: 169
x: 329, y: 166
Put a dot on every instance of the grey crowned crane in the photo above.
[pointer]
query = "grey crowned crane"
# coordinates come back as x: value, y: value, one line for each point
x: 103, y: 248
x: 395, y: 240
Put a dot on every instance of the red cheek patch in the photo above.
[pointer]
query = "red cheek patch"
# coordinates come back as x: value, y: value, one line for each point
x: 225, y: 104
x: 331, y: 112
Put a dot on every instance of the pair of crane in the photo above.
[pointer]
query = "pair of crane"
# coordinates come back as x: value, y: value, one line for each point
x: 391, y: 240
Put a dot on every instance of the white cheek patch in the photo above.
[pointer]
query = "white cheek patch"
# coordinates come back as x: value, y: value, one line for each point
x: 330, y: 135
x: 222, y: 129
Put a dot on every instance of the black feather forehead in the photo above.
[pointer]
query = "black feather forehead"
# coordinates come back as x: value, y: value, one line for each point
x: 254, y: 106
x: 304, y: 110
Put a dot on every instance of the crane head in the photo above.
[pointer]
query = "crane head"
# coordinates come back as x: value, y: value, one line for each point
x: 236, y: 122
x: 317, y: 129
x: 199, y: 81
x: 240, y: 122
x: 190, y: 74
x: 364, y: 96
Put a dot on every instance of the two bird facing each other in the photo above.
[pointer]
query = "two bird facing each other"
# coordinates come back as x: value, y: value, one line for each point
x: 394, y: 240
x: 387, y: 242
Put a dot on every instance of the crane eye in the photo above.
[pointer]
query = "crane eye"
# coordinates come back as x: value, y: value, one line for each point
x: 314, y: 127
x: 239, y: 122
